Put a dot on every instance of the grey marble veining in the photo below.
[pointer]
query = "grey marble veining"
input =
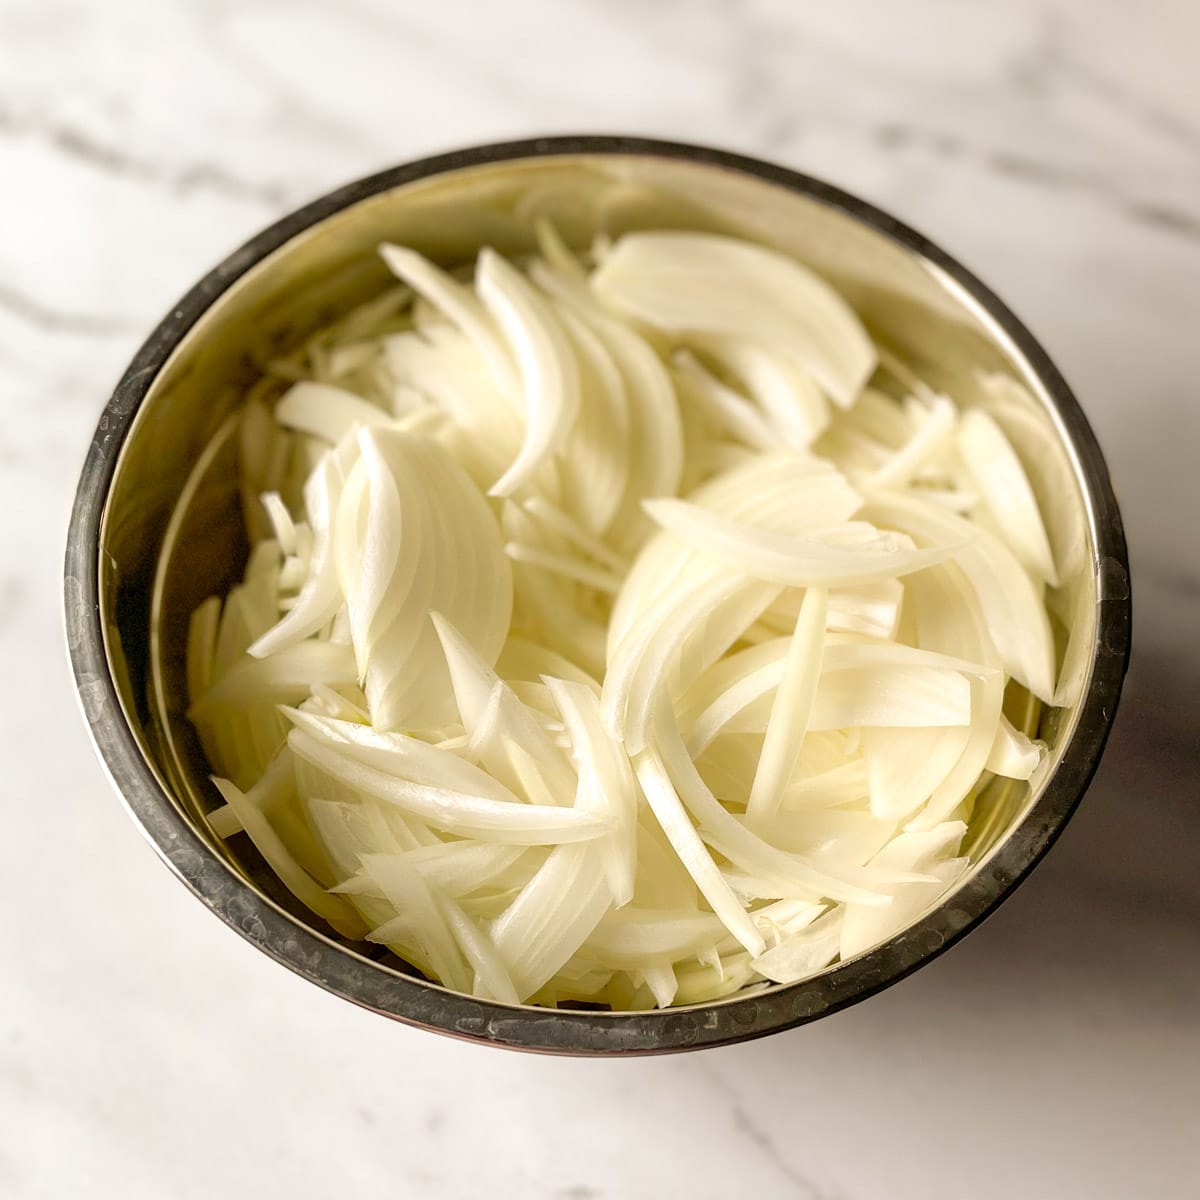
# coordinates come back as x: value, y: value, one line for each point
x: 145, y: 1052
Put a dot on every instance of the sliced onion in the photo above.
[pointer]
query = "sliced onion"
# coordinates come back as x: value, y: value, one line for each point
x: 905, y: 766
x: 928, y: 852
x: 794, y: 561
x: 694, y: 283
x: 727, y: 409
x: 552, y: 916
x: 268, y: 843
x: 936, y: 423
x: 492, y: 978
x: 201, y: 646
x: 668, y: 809
x: 633, y: 936
x: 997, y: 473
x: 804, y: 953
x: 414, y: 485
x: 455, y: 812
x: 327, y: 412
x: 459, y: 305
x: 606, y: 780
x: 455, y: 869
x: 695, y: 699
x: 549, y: 375
x: 1016, y: 617
x: 792, y: 709
x: 422, y: 927
x: 321, y: 595
x: 1012, y: 754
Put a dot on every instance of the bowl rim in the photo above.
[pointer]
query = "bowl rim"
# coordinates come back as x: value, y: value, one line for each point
x: 415, y: 1002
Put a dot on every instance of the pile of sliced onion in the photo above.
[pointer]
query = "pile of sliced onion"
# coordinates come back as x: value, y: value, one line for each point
x: 617, y: 630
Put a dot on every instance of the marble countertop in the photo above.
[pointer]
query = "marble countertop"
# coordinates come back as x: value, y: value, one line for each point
x: 147, y: 1052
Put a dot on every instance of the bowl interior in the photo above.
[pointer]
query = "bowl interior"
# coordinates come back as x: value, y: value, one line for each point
x: 171, y: 530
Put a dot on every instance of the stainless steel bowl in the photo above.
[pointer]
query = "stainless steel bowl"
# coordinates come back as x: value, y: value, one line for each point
x: 156, y: 527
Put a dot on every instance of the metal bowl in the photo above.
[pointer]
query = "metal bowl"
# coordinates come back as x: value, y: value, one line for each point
x: 156, y: 527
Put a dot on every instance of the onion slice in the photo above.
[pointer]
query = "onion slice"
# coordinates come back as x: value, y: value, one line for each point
x: 549, y: 375
x: 696, y: 283
x: 792, y: 708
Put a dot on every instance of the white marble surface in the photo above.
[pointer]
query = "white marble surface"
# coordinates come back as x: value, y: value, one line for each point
x: 147, y: 1052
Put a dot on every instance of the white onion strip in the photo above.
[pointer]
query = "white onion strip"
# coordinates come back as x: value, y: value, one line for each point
x: 792, y: 708
x: 452, y: 811
x: 794, y: 561
x: 549, y: 375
